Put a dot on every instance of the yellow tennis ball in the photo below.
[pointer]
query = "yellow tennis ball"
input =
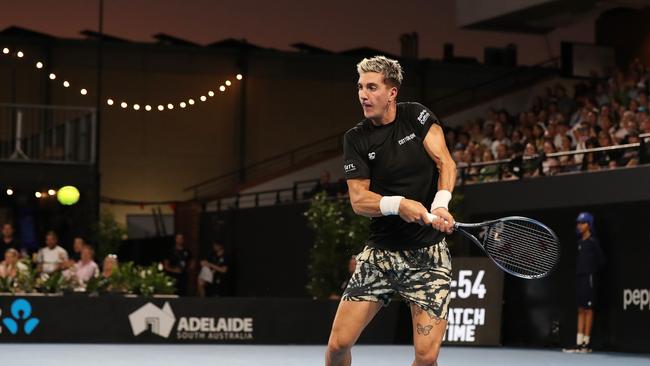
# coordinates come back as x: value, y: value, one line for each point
x: 68, y: 195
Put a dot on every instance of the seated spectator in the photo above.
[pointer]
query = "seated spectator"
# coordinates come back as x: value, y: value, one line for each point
x: 567, y: 162
x: 211, y: 280
x: 607, y: 158
x: 549, y: 165
x: 630, y: 157
x: 590, y: 162
x: 109, y: 265
x: 75, y: 256
x: 52, y: 257
x: 10, y: 266
x: 84, y: 269
x: 8, y: 239
x: 531, y: 162
x: 488, y: 173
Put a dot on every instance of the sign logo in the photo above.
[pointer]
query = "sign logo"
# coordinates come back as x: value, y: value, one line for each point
x: 21, y: 311
x: 423, y: 116
x: 149, y: 316
x: 371, y: 156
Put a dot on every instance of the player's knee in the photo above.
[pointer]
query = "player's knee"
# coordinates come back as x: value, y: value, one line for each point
x: 338, y: 345
x: 427, y: 357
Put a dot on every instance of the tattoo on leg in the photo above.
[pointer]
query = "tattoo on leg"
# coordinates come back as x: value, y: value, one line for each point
x: 424, y: 329
x: 416, y: 310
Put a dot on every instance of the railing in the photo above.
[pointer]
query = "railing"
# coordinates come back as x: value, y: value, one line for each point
x: 331, y: 145
x: 52, y: 134
x: 296, y: 193
x: 521, y: 167
x: 301, y: 156
x: 518, y: 168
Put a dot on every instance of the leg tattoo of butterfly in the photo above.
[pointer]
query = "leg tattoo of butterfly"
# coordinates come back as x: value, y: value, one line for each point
x: 424, y: 330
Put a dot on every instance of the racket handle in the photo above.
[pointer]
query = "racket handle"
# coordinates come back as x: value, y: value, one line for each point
x: 433, y: 217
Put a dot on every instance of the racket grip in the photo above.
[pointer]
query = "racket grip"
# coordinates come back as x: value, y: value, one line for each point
x: 432, y: 217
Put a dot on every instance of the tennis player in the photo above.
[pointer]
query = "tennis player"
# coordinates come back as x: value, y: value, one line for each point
x: 398, y: 169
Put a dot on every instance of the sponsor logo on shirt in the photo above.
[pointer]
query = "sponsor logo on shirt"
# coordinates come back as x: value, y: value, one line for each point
x: 349, y: 167
x: 406, y: 139
x: 423, y: 116
x: 371, y: 156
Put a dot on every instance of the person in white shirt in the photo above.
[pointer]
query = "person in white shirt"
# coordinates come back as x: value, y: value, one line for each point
x: 51, y: 258
x: 86, y: 268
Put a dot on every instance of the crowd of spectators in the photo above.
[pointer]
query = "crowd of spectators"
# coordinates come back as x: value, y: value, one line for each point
x: 598, y: 113
x: 79, y: 266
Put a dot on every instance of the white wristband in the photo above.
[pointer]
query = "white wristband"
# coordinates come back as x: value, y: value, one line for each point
x: 441, y: 199
x: 389, y: 205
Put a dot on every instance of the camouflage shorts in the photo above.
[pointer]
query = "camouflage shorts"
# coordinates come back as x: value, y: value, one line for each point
x: 420, y: 276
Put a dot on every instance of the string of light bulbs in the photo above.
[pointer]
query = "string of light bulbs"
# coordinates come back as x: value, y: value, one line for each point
x: 125, y: 104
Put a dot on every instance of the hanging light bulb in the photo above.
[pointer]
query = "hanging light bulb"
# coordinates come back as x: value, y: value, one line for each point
x: 191, y: 101
x: 228, y: 83
x: 203, y: 98
x: 222, y: 88
x: 240, y: 76
x: 211, y: 93
x: 161, y: 108
x: 136, y: 107
x: 124, y: 105
x: 83, y: 91
x: 147, y: 108
x: 109, y: 101
x: 20, y: 54
x: 39, y: 65
x: 66, y: 84
x: 182, y: 104
x: 52, y: 76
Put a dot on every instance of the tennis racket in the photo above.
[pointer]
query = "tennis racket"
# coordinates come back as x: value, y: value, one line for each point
x: 520, y: 246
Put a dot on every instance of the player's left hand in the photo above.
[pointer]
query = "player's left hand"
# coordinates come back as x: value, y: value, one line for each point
x: 444, y: 221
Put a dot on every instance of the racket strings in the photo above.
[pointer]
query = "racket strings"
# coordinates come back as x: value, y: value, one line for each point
x: 522, y: 247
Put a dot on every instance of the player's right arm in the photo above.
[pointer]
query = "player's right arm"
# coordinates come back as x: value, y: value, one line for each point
x: 366, y: 203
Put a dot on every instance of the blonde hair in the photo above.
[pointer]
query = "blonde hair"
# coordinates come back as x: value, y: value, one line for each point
x: 391, y: 69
